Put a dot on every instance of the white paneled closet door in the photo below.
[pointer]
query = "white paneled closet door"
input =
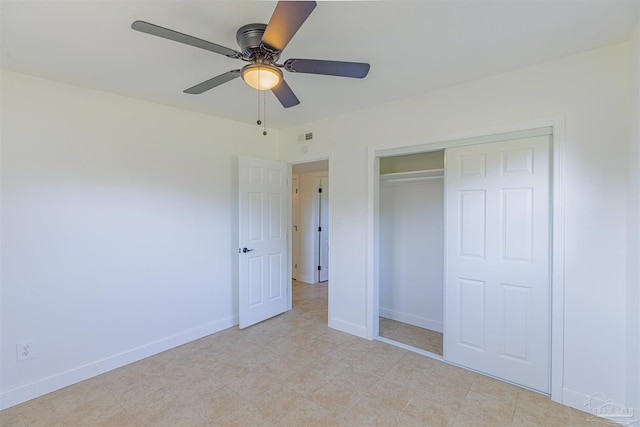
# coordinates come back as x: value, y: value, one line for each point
x: 497, y: 295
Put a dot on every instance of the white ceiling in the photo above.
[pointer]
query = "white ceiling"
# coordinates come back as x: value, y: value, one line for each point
x: 412, y: 46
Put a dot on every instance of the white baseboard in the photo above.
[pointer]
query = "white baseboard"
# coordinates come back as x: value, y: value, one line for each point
x: 411, y: 319
x: 573, y: 399
x: 348, y: 327
x: 60, y: 380
x: 306, y: 279
x: 580, y: 401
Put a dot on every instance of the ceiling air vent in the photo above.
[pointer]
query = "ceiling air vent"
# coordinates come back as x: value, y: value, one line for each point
x: 305, y: 137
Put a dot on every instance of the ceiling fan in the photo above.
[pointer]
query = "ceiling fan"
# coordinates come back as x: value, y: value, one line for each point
x: 261, y: 46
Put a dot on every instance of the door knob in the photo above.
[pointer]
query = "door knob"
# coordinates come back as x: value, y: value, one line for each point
x: 245, y: 250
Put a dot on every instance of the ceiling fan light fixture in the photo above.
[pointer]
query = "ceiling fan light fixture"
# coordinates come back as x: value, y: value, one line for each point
x: 262, y: 76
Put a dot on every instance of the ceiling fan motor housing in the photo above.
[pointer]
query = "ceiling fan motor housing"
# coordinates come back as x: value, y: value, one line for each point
x: 249, y: 38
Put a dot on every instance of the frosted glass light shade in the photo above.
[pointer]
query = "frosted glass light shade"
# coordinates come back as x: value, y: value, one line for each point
x: 261, y: 76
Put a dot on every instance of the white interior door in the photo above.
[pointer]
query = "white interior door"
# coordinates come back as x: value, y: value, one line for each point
x: 497, y: 304
x: 263, y: 278
x: 324, y: 229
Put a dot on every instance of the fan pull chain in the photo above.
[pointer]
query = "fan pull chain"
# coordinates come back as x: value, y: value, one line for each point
x: 264, y: 113
x: 259, y: 122
x: 264, y: 109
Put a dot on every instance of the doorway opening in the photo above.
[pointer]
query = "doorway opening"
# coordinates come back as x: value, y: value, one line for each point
x: 310, y: 219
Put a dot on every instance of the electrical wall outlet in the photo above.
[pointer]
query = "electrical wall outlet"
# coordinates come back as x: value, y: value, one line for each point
x: 25, y: 350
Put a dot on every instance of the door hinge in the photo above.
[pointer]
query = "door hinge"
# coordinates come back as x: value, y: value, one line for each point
x: 319, y: 190
x: 319, y: 229
x: 319, y: 268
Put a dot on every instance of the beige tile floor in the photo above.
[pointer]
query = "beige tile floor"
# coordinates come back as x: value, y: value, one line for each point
x: 291, y: 370
x: 414, y: 336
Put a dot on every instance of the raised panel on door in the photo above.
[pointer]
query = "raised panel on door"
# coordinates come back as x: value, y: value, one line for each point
x: 275, y: 215
x: 497, y: 305
x: 472, y: 217
x: 472, y: 317
x: 254, y: 217
x: 275, y: 276
x: 517, y: 224
x: 255, y: 280
x: 517, y: 309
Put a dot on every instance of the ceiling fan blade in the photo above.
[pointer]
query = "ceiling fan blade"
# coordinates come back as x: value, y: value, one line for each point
x: 285, y: 95
x: 211, y: 83
x: 287, y: 18
x: 331, y: 68
x: 156, y: 30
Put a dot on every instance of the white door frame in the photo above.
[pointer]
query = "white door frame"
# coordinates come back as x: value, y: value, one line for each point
x: 323, y: 209
x: 557, y: 225
x: 295, y: 238
x: 311, y: 159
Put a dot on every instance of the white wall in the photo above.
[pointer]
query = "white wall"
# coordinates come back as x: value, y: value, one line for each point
x: 412, y: 249
x: 633, y: 221
x: 590, y: 92
x: 119, y: 229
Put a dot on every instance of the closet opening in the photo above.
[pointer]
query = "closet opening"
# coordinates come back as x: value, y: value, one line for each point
x: 502, y: 248
x: 411, y: 250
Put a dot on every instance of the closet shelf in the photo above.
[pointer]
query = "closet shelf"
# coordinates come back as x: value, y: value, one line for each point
x: 412, y: 176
